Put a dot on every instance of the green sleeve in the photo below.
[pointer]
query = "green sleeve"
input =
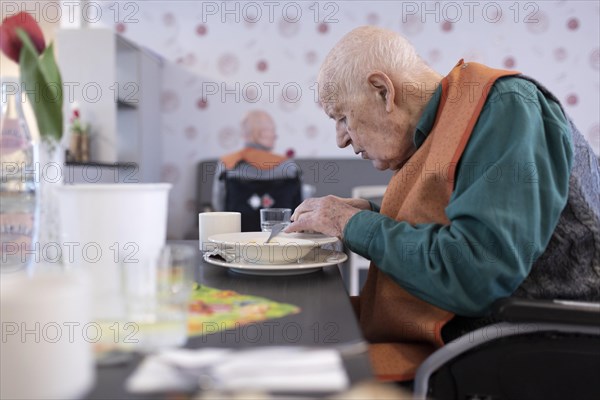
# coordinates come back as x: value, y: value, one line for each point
x: 512, y: 185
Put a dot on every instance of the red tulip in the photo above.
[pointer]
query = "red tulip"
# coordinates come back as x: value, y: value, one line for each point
x: 10, y: 42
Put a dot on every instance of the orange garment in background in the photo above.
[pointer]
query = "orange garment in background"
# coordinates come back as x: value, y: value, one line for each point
x: 402, y: 329
x: 261, y: 159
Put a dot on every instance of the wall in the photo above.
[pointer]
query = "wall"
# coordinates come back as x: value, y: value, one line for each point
x: 227, y: 56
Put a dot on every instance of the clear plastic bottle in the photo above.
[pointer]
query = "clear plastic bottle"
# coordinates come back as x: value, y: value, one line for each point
x: 18, y: 182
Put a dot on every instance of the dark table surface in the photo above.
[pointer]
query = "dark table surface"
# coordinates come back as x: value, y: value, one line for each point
x: 326, y: 320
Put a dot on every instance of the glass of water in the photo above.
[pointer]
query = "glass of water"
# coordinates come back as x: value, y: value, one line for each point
x: 273, y: 216
x: 157, y: 293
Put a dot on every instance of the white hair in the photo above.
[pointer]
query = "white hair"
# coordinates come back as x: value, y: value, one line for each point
x: 249, y: 121
x: 363, y: 50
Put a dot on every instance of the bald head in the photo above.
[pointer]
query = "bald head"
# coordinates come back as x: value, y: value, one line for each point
x: 362, y: 51
x: 375, y: 87
x: 258, y: 128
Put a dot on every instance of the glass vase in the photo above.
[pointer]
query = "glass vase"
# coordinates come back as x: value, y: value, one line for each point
x: 51, y: 156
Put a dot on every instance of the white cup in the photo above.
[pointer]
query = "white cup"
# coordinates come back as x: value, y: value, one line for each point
x: 213, y: 223
x: 103, y: 225
x: 47, y: 336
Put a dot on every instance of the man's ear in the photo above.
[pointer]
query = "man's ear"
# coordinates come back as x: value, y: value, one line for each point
x: 383, y: 87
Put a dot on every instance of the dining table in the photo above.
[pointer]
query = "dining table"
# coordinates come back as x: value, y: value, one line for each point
x: 326, y: 321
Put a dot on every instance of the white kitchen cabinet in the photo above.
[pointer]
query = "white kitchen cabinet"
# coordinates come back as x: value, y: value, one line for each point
x: 117, y: 86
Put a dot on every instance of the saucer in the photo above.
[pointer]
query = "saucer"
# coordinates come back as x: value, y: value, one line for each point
x: 314, y: 261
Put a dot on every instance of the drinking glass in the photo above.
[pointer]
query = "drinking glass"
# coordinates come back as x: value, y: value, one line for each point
x: 156, y: 294
x: 273, y: 216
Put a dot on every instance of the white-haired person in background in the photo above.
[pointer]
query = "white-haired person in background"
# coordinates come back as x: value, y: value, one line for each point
x: 256, y: 160
x: 495, y: 194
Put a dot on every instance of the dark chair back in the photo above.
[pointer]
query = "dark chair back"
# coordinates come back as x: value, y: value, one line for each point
x: 249, y: 196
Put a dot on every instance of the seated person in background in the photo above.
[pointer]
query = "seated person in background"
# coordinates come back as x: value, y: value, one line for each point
x: 495, y: 194
x: 256, y: 166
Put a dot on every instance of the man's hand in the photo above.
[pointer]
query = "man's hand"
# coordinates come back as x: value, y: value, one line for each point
x: 328, y: 215
x: 361, y: 204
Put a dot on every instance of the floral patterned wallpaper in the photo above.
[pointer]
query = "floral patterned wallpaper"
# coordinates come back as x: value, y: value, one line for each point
x: 229, y: 57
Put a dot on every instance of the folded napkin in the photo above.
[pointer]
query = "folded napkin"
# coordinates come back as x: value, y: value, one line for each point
x: 271, y: 369
x: 227, y: 256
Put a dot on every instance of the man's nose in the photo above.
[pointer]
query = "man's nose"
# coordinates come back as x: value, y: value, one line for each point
x: 343, y: 140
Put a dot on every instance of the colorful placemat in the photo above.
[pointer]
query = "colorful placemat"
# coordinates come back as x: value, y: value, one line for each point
x: 214, y: 310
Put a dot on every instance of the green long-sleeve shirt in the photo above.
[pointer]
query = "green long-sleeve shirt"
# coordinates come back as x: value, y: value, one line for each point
x: 511, y: 187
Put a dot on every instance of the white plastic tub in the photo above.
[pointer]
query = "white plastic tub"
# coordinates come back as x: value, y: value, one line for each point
x: 103, y: 225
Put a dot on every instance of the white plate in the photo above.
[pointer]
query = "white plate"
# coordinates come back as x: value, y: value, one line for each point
x: 314, y: 261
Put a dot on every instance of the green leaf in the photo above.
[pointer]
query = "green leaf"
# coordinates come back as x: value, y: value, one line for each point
x: 49, y: 67
x: 42, y: 79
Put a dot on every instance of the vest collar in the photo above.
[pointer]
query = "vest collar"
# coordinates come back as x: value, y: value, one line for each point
x: 257, y: 146
x: 427, y: 119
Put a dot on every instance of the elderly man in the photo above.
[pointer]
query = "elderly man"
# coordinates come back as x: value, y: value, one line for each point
x: 255, y: 162
x: 495, y: 193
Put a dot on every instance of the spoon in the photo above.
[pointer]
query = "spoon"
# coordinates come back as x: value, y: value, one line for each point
x: 275, y: 230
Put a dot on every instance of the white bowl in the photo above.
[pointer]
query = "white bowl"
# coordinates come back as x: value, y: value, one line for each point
x: 250, y: 247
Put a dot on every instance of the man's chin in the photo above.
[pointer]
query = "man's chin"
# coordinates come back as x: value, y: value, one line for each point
x: 398, y: 165
x: 380, y: 165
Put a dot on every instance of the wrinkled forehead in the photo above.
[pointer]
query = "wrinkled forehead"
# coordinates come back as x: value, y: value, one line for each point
x: 331, y: 88
x: 330, y: 108
x: 332, y: 99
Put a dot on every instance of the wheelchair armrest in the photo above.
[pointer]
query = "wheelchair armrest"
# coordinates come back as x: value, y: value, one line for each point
x: 514, y: 309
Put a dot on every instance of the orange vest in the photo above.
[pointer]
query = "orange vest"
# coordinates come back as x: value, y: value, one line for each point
x: 389, y: 316
x: 261, y: 159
